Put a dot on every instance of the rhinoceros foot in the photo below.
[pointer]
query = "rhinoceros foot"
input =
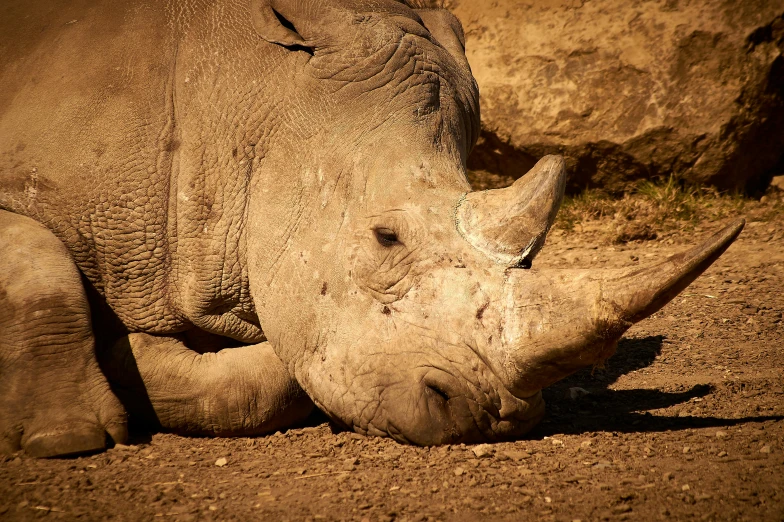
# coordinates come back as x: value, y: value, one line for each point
x: 55, y: 401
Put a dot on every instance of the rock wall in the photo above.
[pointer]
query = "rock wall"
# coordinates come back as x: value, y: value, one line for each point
x: 629, y: 90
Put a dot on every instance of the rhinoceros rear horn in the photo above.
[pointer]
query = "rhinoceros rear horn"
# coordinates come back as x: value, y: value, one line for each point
x: 510, y: 224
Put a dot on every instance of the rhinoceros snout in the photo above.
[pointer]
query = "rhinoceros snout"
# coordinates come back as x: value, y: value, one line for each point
x: 441, y: 408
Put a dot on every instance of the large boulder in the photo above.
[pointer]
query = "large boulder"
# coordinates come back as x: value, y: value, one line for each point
x: 628, y: 90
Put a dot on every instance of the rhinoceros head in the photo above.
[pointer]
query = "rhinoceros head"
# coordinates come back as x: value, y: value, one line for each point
x: 404, y: 303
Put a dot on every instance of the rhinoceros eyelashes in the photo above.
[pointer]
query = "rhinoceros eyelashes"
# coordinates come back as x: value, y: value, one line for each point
x: 386, y: 237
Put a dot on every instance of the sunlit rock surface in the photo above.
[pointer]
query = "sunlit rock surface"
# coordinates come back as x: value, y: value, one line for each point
x: 629, y: 90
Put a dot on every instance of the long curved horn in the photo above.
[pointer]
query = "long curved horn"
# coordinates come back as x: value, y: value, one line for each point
x: 558, y: 321
x: 509, y: 225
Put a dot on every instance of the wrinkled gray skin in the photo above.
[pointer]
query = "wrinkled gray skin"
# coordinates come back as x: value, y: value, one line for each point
x: 210, y: 207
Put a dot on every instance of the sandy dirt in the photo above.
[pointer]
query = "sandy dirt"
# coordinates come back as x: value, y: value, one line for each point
x: 686, y: 422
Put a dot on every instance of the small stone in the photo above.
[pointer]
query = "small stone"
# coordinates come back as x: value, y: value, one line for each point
x: 576, y: 392
x: 622, y: 508
x: 213, y: 508
x: 459, y: 471
x: 667, y: 476
x: 686, y: 449
x: 585, y: 443
x: 722, y: 454
x: 722, y: 434
x: 548, y: 500
x: 221, y: 462
x: 517, y: 455
x: 482, y: 451
x: 765, y: 449
x: 685, y: 487
x: 556, y: 442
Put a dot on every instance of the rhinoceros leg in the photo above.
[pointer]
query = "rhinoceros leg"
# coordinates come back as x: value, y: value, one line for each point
x: 54, y: 400
x: 231, y: 392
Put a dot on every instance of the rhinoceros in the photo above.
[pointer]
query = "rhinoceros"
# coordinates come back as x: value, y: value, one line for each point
x: 216, y: 214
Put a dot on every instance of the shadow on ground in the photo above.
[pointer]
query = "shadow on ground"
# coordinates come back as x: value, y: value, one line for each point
x: 624, y: 411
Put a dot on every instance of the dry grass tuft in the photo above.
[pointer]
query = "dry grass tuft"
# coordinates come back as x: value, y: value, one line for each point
x: 653, y: 209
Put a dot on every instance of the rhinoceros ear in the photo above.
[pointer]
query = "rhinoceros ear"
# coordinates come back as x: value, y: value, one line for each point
x: 447, y: 30
x: 275, y: 21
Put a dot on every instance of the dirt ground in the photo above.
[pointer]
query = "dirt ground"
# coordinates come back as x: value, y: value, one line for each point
x: 686, y: 422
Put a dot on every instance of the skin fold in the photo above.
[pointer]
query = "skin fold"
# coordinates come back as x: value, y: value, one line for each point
x: 240, y: 209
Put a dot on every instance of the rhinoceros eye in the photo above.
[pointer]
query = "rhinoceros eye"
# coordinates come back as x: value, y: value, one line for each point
x: 386, y: 236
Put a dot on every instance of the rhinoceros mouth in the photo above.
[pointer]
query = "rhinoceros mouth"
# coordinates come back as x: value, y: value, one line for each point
x: 440, y: 403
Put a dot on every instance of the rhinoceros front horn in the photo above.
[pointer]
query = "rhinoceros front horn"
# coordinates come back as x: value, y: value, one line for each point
x: 509, y: 225
x: 558, y: 321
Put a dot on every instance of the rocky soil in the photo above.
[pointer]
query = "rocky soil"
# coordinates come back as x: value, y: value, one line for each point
x: 686, y: 422
x: 630, y: 90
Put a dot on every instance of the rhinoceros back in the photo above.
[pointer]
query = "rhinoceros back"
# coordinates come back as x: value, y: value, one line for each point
x: 87, y: 141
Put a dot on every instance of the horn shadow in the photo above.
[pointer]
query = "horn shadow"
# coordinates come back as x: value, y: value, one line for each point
x: 626, y: 411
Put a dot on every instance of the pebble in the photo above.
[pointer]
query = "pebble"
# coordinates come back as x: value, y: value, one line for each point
x: 221, y: 462
x: 722, y: 434
x: 686, y: 449
x: 765, y: 449
x: 517, y: 455
x: 459, y: 471
x: 585, y: 443
x: 667, y: 476
x: 482, y: 451
x: 576, y: 392
x: 685, y: 487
